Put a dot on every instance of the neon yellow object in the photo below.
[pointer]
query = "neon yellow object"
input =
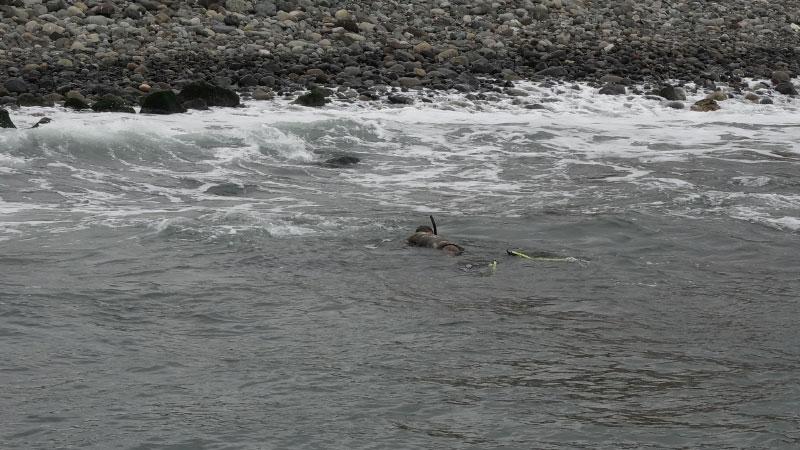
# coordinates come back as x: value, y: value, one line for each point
x: 520, y: 254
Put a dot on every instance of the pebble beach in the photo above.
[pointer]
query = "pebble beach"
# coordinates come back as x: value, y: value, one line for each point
x: 360, y: 50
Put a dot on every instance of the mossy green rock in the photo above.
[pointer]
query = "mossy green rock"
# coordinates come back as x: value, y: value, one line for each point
x: 112, y: 103
x: 705, y: 105
x: 162, y: 102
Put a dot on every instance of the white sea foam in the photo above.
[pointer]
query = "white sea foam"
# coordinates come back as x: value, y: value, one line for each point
x: 455, y: 152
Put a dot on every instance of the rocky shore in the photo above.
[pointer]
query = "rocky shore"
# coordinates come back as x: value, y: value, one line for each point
x: 54, y: 51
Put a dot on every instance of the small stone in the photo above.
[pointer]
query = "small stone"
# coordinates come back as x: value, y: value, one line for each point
x: 144, y: 87
x: 239, y: 6
x: 447, y: 54
x: 342, y: 14
x: 752, y: 97
x: 423, y: 48
x: 675, y: 105
x: 263, y: 94
x: 74, y: 11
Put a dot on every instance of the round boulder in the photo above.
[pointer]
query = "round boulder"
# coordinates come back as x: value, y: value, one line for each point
x: 162, y: 102
x: 211, y: 94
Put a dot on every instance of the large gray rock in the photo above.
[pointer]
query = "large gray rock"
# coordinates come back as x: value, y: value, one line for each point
x: 672, y: 93
x: 784, y: 87
x: 211, y: 94
x: 162, y: 102
x: 16, y: 85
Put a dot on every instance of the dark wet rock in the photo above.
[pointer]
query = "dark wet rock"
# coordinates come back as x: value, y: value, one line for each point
x: 705, y: 105
x: 16, y: 85
x: 535, y: 106
x: 613, y: 89
x: 766, y: 101
x: 786, y: 88
x: 227, y: 190
x: 42, y: 121
x: 212, y: 94
x: 27, y: 99
x: 76, y: 103
x: 342, y: 161
x: 675, y: 105
x: 557, y: 71
x: 780, y: 76
x: 162, y: 102
x: 397, y: 99
x: 613, y: 79
x: 672, y: 93
x: 112, y: 103
x: 316, y: 97
x: 196, y: 103
x: 5, y: 120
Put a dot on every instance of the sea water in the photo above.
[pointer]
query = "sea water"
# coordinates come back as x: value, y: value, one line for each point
x: 206, y: 281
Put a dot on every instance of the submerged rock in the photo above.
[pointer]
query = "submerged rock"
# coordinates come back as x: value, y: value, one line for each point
x: 42, y: 121
x: 227, y: 190
x: 212, y: 95
x: 162, y: 102
x: 342, y: 161
x: 5, y: 120
x: 112, y: 103
x: 315, y: 97
x: 705, y: 105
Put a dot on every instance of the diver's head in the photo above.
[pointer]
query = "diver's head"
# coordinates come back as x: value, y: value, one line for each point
x: 423, y: 229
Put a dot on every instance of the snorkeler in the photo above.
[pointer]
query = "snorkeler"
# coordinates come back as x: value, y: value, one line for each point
x: 425, y: 236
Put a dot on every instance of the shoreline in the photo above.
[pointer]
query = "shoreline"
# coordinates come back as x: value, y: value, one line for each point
x: 274, y: 48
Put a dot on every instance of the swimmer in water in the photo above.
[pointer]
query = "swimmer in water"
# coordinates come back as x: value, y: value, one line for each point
x: 425, y: 237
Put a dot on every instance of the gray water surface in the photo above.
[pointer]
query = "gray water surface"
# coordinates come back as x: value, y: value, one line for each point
x: 138, y: 311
